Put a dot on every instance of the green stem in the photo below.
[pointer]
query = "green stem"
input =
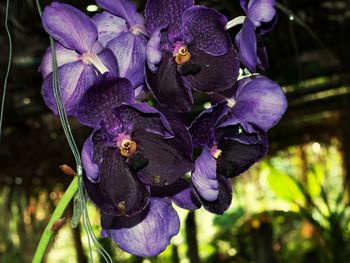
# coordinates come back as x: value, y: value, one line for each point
x: 57, y: 214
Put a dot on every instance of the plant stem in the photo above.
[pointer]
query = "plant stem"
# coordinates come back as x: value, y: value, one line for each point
x: 57, y: 214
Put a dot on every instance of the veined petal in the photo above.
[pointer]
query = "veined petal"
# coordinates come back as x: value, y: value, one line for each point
x: 124, y: 9
x: 261, y: 102
x: 204, y: 177
x: 91, y: 168
x: 69, y: 26
x: 147, y: 234
x: 75, y: 78
x: 130, y: 51
x: 167, y: 86
x: 63, y: 55
x: 204, y: 28
x: 98, y: 102
x: 109, y: 27
x: 167, y: 14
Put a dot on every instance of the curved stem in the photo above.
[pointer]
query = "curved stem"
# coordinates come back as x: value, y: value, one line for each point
x: 235, y: 22
x: 57, y: 214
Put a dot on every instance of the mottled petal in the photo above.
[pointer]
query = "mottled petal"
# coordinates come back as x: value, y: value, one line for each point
x: 246, y: 45
x: 204, y: 177
x: 90, y: 168
x: 166, y: 163
x: 261, y: 102
x: 216, y: 73
x: 167, y: 86
x: 166, y: 14
x: 109, y: 27
x: 109, y: 60
x: 146, y: 235
x: 69, y: 26
x: 144, y: 117
x: 118, y: 192
x: 63, y: 56
x: 153, y: 51
x: 223, y: 202
x: 75, y: 78
x: 204, y: 28
x: 98, y: 102
x: 124, y: 9
x: 130, y: 51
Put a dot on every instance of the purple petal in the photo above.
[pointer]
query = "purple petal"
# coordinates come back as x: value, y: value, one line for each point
x: 130, y: 51
x: 151, y: 235
x: 109, y: 60
x: 204, y: 28
x: 204, y: 177
x: 141, y: 116
x: 167, y: 163
x: 261, y: 11
x: 91, y: 169
x: 98, y: 102
x: 246, y: 45
x: 262, y: 58
x: 217, y: 73
x: 124, y: 9
x: 109, y: 27
x: 153, y: 51
x: 261, y: 102
x: 75, y: 78
x: 167, y: 86
x: 69, y: 26
x: 63, y: 56
x: 118, y: 192
x: 223, y: 202
x: 167, y: 14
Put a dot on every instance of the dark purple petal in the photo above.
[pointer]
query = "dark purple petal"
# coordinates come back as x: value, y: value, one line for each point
x: 144, y: 117
x: 204, y: 28
x: 63, y: 56
x: 69, y: 26
x: 98, y: 102
x: 261, y: 102
x: 220, y: 205
x: 151, y: 235
x: 261, y: 11
x: 109, y: 60
x: 153, y: 51
x: 217, y: 73
x: 204, y: 177
x: 167, y: 86
x: 246, y: 45
x: 124, y: 9
x: 118, y: 192
x: 180, y: 193
x: 238, y: 157
x: 167, y: 163
x: 91, y: 168
x: 109, y: 27
x: 262, y: 58
x: 75, y: 78
x: 167, y: 14
x: 130, y: 51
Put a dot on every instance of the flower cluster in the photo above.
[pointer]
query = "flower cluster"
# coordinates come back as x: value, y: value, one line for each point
x: 139, y: 159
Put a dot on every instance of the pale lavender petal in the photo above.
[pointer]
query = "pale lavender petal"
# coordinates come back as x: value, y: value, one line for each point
x: 109, y: 27
x: 63, y: 56
x: 151, y: 235
x: 75, y: 78
x: 167, y: 14
x: 153, y: 51
x: 69, y: 26
x: 204, y: 28
x: 261, y: 11
x: 261, y: 102
x: 130, y: 51
x: 90, y: 168
x: 204, y: 177
x: 124, y: 9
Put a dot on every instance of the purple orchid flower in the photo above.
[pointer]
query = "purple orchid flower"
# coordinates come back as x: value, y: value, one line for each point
x: 80, y: 57
x: 261, y: 18
x: 233, y: 137
x: 189, y: 49
x: 133, y: 147
x: 122, y: 30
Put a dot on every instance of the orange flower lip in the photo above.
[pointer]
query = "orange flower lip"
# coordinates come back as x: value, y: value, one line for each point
x: 128, y: 148
x: 182, y: 56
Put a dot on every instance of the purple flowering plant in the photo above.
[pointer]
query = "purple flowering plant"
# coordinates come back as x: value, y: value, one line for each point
x: 132, y: 79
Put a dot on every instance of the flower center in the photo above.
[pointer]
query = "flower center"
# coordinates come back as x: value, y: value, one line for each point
x: 215, y: 152
x: 93, y: 59
x: 127, y: 147
x: 181, y: 53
